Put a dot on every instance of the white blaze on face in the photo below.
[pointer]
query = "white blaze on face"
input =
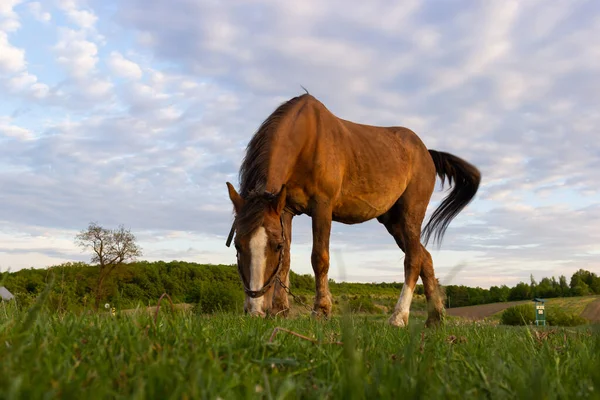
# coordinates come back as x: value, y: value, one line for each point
x: 258, y: 264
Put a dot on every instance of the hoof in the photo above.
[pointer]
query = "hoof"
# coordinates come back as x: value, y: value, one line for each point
x: 435, y: 318
x: 398, y: 321
x: 319, y: 313
x: 433, y: 322
x: 322, y: 308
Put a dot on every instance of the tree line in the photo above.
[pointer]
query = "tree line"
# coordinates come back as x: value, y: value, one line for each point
x: 582, y: 283
x: 75, y: 286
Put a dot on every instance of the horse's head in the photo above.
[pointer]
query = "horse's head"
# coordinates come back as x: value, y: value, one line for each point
x: 259, y: 242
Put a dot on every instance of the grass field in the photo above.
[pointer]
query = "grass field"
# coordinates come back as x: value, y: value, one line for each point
x: 574, y: 305
x: 570, y: 305
x: 185, y: 356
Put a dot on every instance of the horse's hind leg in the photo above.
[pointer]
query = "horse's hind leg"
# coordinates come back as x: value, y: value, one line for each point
x: 435, y: 306
x: 403, y: 222
x: 394, y: 222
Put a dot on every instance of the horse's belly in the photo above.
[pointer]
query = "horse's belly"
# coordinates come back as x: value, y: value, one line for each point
x: 357, y: 209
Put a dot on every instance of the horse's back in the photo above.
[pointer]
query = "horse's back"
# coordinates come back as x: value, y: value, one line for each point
x: 373, y: 165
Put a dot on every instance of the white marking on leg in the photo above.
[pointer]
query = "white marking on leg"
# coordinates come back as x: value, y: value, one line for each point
x: 402, y: 309
x: 258, y: 264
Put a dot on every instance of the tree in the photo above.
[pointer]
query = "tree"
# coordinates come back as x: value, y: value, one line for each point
x: 520, y: 292
x: 499, y: 294
x: 545, y: 289
x: 564, y: 287
x: 457, y: 296
x: 111, y: 248
x: 595, y: 285
x: 580, y: 283
x: 532, y: 286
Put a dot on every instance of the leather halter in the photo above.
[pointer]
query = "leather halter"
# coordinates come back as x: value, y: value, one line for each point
x: 261, y: 292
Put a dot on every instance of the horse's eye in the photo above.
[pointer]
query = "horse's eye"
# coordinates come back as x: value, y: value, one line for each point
x: 279, y: 246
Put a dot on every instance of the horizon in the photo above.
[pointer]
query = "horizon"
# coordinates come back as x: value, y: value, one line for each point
x: 419, y: 283
x: 138, y: 113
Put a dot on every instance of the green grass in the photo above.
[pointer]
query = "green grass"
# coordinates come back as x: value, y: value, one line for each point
x: 230, y: 357
x: 570, y: 305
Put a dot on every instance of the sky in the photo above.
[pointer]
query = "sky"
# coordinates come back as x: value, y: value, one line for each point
x: 137, y: 112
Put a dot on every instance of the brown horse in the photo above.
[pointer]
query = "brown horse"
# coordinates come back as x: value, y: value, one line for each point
x: 305, y: 160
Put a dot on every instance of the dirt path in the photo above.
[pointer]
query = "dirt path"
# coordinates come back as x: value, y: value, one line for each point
x: 592, y: 311
x: 483, y: 310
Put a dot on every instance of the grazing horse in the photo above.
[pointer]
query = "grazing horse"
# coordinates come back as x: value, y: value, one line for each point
x: 305, y: 160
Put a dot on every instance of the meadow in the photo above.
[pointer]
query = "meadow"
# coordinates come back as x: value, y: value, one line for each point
x: 54, y: 345
x: 177, y: 354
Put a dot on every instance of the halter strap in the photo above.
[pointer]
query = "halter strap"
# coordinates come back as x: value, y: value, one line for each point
x: 261, y: 292
x: 233, y: 225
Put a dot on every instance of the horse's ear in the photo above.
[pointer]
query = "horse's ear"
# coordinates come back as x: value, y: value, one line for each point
x: 281, y: 199
x: 236, y: 199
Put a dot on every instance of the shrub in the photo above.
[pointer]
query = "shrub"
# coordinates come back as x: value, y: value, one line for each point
x: 389, y: 302
x: 217, y: 296
x: 523, y: 314
x: 561, y: 318
x: 363, y: 304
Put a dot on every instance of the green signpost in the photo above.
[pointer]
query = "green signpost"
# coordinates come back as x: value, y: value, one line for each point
x: 540, y: 311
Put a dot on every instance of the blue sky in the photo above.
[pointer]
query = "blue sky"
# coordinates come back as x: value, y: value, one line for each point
x: 138, y: 112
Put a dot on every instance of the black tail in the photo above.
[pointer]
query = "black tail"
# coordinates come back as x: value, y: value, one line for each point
x: 466, y: 179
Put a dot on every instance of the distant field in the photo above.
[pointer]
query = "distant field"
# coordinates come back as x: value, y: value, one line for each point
x: 592, y: 311
x: 574, y: 305
x: 483, y: 310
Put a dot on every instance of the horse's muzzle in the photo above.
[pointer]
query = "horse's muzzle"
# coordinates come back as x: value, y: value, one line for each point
x: 254, y: 313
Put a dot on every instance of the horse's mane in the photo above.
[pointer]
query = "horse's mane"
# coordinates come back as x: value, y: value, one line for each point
x: 254, y: 169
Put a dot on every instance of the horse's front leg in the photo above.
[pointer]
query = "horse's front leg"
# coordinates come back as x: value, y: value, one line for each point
x: 321, y: 229
x: 281, y: 303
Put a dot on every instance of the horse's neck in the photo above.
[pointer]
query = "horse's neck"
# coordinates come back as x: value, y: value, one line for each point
x: 282, y: 159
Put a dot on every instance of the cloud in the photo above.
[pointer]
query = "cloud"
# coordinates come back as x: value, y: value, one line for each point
x: 75, y: 53
x: 132, y: 160
x: 87, y: 83
x: 9, y: 20
x: 22, y: 80
x: 85, y: 19
x: 35, y: 8
x: 7, y: 129
x: 153, y: 103
x: 124, y: 67
x: 14, y: 76
x: 26, y: 82
x: 12, y: 59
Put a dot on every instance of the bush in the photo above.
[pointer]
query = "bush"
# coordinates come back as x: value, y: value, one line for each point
x: 523, y: 314
x: 363, y: 304
x: 561, y: 318
x: 217, y: 296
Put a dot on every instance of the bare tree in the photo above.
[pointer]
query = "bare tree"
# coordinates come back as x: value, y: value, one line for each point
x: 111, y: 248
